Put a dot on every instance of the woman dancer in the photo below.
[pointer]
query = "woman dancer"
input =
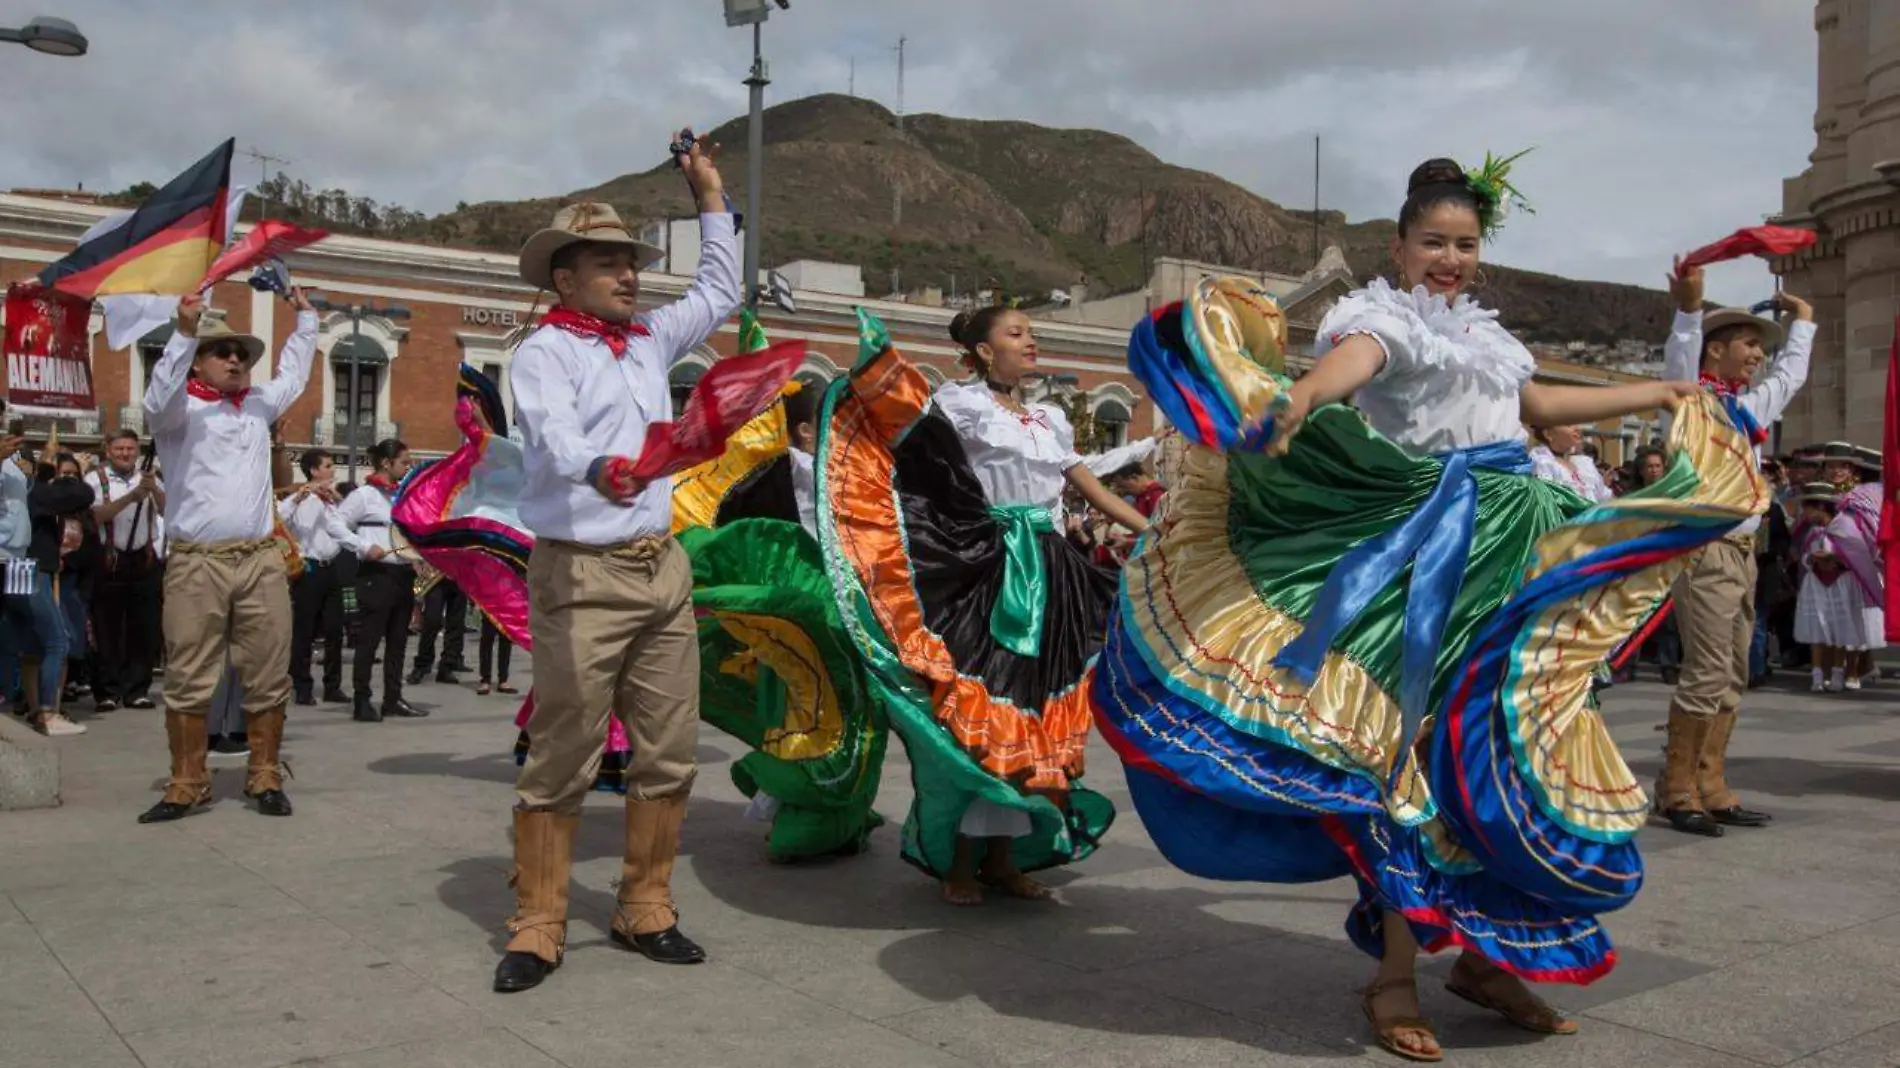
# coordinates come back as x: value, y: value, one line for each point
x: 1367, y: 650
x: 1855, y: 532
x: 385, y: 582
x: 941, y: 519
x: 1827, y: 617
x: 1556, y: 458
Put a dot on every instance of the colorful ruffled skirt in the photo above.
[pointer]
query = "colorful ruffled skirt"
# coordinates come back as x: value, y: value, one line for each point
x: 777, y: 670
x: 919, y: 561
x: 1351, y: 661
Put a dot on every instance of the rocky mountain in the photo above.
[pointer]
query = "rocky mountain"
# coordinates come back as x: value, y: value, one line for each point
x: 990, y: 204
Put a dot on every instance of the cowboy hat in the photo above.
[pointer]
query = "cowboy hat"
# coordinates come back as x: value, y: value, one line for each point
x: 1771, y: 333
x: 593, y: 222
x: 213, y: 329
x: 1819, y: 493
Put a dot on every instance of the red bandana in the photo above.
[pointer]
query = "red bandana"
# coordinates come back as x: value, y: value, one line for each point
x: 198, y: 388
x: 381, y: 482
x: 1731, y: 397
x: 614, y: 335
x: 1721, y: 387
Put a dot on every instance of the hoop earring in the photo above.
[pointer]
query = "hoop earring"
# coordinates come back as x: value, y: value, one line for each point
x: 1481, y: 280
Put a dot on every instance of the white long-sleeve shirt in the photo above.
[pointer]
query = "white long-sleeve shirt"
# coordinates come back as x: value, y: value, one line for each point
x: 216, y: 453
x: 308, y: 523
x: 362, y: 521
x: 1767, y: 399
x: 576, y: 404
x: 16, y: 526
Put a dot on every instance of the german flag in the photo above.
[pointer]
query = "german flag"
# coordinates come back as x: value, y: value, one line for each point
x: 164, y: 247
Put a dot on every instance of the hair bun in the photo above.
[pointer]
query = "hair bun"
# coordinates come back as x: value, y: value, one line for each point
x: 1435, y: 172
x: 957, y: 326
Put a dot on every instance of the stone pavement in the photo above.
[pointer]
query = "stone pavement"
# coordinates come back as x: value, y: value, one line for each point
x: 361, y: 933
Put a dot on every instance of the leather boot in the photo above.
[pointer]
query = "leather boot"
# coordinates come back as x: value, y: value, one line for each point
x: 1720, y: 802
x: 190, y: 785
x: 366, y: 711
x: 645, y: 920
x: 264, y: 782
x: 1676, y: 795
x: 544, y: 859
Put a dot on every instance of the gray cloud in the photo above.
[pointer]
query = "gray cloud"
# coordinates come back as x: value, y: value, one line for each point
x: 1658, y: 126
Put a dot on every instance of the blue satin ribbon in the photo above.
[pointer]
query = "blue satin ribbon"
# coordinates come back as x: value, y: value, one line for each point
x: 1436, y: 541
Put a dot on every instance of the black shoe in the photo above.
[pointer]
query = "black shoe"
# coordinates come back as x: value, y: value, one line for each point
x: 141, y: 702
x: 270, y: 802
x: 460, y: 667
x: 666, y: 947
x: 334, y: 695
x: 520, y: 971
x: 306, y: 697
x: 402, y: 709
x: 447, y: 678
x: 165, y: 812
x: 1690, y: 821
x: 1737, y: 816
x: 416, y: 675
x: 105, y: 704
x: 366, y: 711
x: 230, y: 745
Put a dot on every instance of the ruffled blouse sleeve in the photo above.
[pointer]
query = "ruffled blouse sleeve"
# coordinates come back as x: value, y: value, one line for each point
x: 966, y: 405
x: 1058, y: 421
x: 1363, y: 314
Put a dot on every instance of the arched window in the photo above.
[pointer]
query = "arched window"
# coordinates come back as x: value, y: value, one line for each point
x: 685, y: 374
x: 1111, y: 409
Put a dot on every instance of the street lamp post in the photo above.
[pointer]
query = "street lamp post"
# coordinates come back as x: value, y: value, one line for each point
x: 754, y: 13
x: 357, y: 312
x: 55, y: 37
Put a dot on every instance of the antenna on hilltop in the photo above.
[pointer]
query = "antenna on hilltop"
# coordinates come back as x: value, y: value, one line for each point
x: 263, y: 169
x: 853, y: 83
x: 897, y: 185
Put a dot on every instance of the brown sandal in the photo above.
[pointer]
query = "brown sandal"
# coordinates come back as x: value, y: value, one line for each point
x: 1536, y: 1017
x: 1389, y: 1029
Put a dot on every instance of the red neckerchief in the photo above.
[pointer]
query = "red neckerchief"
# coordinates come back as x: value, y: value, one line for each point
x: 1730, y: 394
x: 382, y: 483
x: 614, y: 335
x: 198, y: 388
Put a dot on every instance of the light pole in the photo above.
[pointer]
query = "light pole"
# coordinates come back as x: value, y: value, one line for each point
x: 55, y: 37
x: 753, y: 13
x: 357, y: 312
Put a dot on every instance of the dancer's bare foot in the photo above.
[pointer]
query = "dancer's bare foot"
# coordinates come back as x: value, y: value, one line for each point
x: 1013, y: 883
x: 1488, y: 986
x: 962, y: 890
x: 1391, y: 1007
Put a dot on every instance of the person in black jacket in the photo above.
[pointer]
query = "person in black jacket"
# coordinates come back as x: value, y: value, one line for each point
x: 50, y: 503
x: 82, y: 559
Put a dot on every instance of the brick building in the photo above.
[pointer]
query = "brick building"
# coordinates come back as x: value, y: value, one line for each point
x: 462, y: 304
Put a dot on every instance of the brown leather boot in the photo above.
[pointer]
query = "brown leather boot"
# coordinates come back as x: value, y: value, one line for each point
x: 1720, y: 802
x: 190, y: 785
x: 1676, y: 795
x: 645, y: 919
x: 544, y: 862
x: 264, y: 780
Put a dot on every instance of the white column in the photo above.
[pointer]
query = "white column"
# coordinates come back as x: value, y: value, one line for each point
x: 263, y: 318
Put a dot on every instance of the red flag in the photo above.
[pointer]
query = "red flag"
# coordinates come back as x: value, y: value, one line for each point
x: 725, y: 398
x: 1751, y: 241
x: 270, y: 239
x: 48, y: 349
x: 1890, y: 484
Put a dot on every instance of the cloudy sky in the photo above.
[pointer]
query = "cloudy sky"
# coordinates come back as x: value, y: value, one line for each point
x: 1658, y: 126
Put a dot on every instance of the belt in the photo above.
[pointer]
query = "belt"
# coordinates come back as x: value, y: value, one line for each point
x: 223, y: 548
x: 646, y: 547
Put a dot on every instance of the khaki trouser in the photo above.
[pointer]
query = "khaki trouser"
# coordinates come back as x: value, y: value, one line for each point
x: 226, y: 599
x: 1715, y: 614
x: 613, y: 631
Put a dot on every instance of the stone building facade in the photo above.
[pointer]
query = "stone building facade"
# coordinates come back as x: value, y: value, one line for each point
x: 1850, y: 195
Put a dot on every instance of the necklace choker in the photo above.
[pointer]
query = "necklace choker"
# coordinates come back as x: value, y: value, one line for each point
x: 1000, y: 388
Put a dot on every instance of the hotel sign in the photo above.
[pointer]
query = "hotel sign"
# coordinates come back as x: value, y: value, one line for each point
x: 506, y: 317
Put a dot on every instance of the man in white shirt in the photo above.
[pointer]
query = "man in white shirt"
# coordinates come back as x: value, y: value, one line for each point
x: 226, y: 596
x: 316, y: 598
x: 610, y: 591
x: 1715, y: 598
x: 125, y: 607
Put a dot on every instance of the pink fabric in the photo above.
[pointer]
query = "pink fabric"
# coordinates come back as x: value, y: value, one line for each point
x: 1855, y: 533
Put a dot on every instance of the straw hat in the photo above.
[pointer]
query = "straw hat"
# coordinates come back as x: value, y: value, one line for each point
x: 1771, y: 333
x: 572, y: 224
x: 1819, y: 493
x: 1839, y: 452
x: 213, y: 329
x: 1870, y: 460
